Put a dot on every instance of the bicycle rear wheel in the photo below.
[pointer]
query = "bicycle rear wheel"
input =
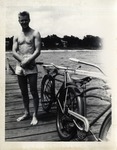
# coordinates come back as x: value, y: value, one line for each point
x: 104, y: 134
x: 47, y: 92
x: 64, y: 122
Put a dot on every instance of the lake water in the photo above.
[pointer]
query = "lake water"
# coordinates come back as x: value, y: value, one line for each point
x: 92, y: 56
x: 71, y: 53
x: 61, y: 57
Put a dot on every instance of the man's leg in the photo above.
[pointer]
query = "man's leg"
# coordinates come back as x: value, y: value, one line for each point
x: 33, y: 88
x: 24, y: 90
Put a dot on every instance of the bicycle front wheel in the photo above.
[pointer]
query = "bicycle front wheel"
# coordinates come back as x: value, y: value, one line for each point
x: 105, y: 130
x: 65, y: 125
x: 47, y: 92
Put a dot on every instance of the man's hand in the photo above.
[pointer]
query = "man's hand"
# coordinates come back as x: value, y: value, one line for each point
x: 24, y: 62
x: 27, y: 64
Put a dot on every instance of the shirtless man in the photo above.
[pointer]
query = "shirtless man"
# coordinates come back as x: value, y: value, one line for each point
x: 26, y: 48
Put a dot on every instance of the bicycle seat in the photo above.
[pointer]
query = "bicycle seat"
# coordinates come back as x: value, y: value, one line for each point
x: 81, y: 81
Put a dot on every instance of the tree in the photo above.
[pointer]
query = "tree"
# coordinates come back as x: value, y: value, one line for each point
x: 9, y: 43
x: 92, y: 42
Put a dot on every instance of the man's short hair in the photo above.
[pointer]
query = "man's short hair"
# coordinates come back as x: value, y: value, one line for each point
x: 24, y: 13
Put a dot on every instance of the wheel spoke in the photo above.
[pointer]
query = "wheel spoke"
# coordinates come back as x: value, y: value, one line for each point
x: 47, y: 92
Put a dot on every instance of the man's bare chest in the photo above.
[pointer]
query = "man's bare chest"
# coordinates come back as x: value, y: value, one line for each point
x: 25, y: 39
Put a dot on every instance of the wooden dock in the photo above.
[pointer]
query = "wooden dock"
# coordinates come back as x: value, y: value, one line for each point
x: 45, y: 130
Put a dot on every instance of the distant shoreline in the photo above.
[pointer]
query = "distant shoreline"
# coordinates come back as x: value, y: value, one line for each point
x: 43, y: 51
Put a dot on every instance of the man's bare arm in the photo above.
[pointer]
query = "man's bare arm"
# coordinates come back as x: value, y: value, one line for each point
x: 15, y: 48
x: 37, y: 46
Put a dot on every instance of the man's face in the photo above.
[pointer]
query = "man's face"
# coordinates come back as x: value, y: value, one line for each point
x: 24, y: 21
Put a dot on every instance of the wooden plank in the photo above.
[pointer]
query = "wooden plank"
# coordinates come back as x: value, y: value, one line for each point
x: 26, y: 123
x: 32, y: 130
x: 19, y: 106
x: 46, y: 128
x: 50, y: 136
x: 19, y: 112
x: 41, y: 114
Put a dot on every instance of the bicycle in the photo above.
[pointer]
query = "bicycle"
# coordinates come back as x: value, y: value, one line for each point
x: 49, y: 95
x: 71, y: 103
x: 106, y: 124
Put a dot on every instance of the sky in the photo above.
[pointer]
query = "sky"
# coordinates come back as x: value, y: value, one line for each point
x: 78, y: 18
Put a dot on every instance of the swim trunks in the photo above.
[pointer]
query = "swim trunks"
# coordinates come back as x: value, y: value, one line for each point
x: 30, y: 69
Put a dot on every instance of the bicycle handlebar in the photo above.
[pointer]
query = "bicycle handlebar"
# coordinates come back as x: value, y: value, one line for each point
x: 86, y: 63
x: 81, y: 119
x: 77, y: 71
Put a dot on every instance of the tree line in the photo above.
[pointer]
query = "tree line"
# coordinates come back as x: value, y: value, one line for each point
x: 67, y: 42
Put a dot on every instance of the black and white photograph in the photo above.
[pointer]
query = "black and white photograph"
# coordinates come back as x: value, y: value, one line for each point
x: 60, y: 65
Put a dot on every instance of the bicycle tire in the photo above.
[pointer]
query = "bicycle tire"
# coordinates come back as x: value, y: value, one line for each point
x: 65, y: 126
x: 47, y: 92
x: 104, y: 130
x: 88, y: 100
x: 107, y: 122
x: 86, y: 94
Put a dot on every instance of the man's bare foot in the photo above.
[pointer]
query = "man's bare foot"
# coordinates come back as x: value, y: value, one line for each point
x: 34, y: 121
x: 24, y: 117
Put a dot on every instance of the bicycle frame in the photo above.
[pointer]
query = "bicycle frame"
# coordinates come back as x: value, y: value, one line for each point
x: 67, y: 79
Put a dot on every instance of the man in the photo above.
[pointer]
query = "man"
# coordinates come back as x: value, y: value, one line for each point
x: 26, y: 48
